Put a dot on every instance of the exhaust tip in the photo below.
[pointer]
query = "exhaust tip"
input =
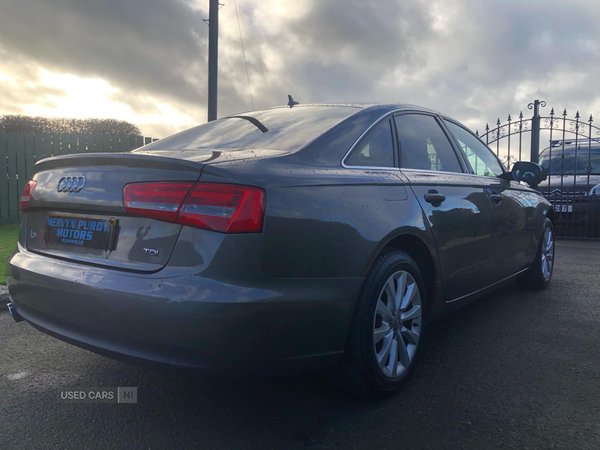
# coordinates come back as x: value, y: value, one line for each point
x: 13, y: 312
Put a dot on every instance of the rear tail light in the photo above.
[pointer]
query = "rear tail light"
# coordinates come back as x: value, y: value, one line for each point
x: 155, y: 200
x: 27, y: 193
x: 224, y: 207
x: 228, y: 208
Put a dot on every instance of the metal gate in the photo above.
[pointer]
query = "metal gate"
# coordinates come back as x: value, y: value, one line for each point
x: 571, y: 154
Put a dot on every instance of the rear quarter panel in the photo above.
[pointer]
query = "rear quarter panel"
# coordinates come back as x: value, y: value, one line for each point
x: 322, y: 222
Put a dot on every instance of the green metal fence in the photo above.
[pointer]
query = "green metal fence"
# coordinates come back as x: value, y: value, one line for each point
x: 20, y: 152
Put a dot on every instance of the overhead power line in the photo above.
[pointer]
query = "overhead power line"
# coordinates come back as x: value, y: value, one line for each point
x: 244, y: 53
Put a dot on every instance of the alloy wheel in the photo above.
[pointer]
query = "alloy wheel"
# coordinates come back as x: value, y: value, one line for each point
x: 547, y: 254
x: 397, y: 324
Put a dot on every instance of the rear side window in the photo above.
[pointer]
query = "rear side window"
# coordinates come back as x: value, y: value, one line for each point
x: 480, y: 157
x: 423, y: 144
x: 376, y: 149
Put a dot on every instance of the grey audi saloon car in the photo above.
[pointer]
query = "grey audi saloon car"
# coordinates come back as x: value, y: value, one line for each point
x: 278, y: 241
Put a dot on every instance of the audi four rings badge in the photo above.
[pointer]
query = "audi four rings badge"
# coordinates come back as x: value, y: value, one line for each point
x: 70, y: 184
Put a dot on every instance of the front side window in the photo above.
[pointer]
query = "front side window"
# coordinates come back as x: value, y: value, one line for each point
x: 424, y: 145
x: 480, y: 157
x: 376, y: 149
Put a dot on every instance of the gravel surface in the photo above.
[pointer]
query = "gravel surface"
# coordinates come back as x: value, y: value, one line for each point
x: 516, y: 369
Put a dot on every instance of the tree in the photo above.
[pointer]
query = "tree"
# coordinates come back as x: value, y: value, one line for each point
x: 55, y: 125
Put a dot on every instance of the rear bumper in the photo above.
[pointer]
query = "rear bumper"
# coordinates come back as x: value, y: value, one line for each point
x: 114, y: 346
x: 255, y: 325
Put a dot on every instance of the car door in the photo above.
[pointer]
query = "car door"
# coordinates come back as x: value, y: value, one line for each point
x: 455, y: 203
x: 513, y: 206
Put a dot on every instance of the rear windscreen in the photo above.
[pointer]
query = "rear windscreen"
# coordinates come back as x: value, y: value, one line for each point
x: 287, y: 129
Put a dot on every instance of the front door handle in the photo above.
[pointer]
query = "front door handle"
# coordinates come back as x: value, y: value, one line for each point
x: 496, y: 198
x: 434, y: 197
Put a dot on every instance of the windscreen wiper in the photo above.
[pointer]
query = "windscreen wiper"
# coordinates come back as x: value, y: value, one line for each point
x: 257, y: 123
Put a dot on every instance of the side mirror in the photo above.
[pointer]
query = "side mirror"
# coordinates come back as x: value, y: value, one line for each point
x: 529, y: 172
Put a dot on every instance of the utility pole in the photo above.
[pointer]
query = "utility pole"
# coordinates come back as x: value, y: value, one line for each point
x: 213, y: 54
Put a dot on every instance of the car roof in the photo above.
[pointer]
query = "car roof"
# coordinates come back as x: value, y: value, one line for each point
x: 383, y: 107
x: 582, y: 147
x: 321, y: 134
x: 279, y: 127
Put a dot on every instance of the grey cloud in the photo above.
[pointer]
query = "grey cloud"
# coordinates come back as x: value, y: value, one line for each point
x: 24, y: 87
x: 372, y: 34
x: 148, y: 46
x: 473, y: 59
x: 341, y: 50
x: 138, y: 104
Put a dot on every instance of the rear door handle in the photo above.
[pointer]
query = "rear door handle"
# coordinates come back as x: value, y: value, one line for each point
x: 496, y: 198
x: 434, y: 197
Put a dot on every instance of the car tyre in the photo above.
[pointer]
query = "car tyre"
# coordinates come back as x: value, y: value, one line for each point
x: 539, y: 275
x: 390, y: 314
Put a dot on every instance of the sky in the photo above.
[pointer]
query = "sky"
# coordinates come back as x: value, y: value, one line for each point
x: 145, y: 61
